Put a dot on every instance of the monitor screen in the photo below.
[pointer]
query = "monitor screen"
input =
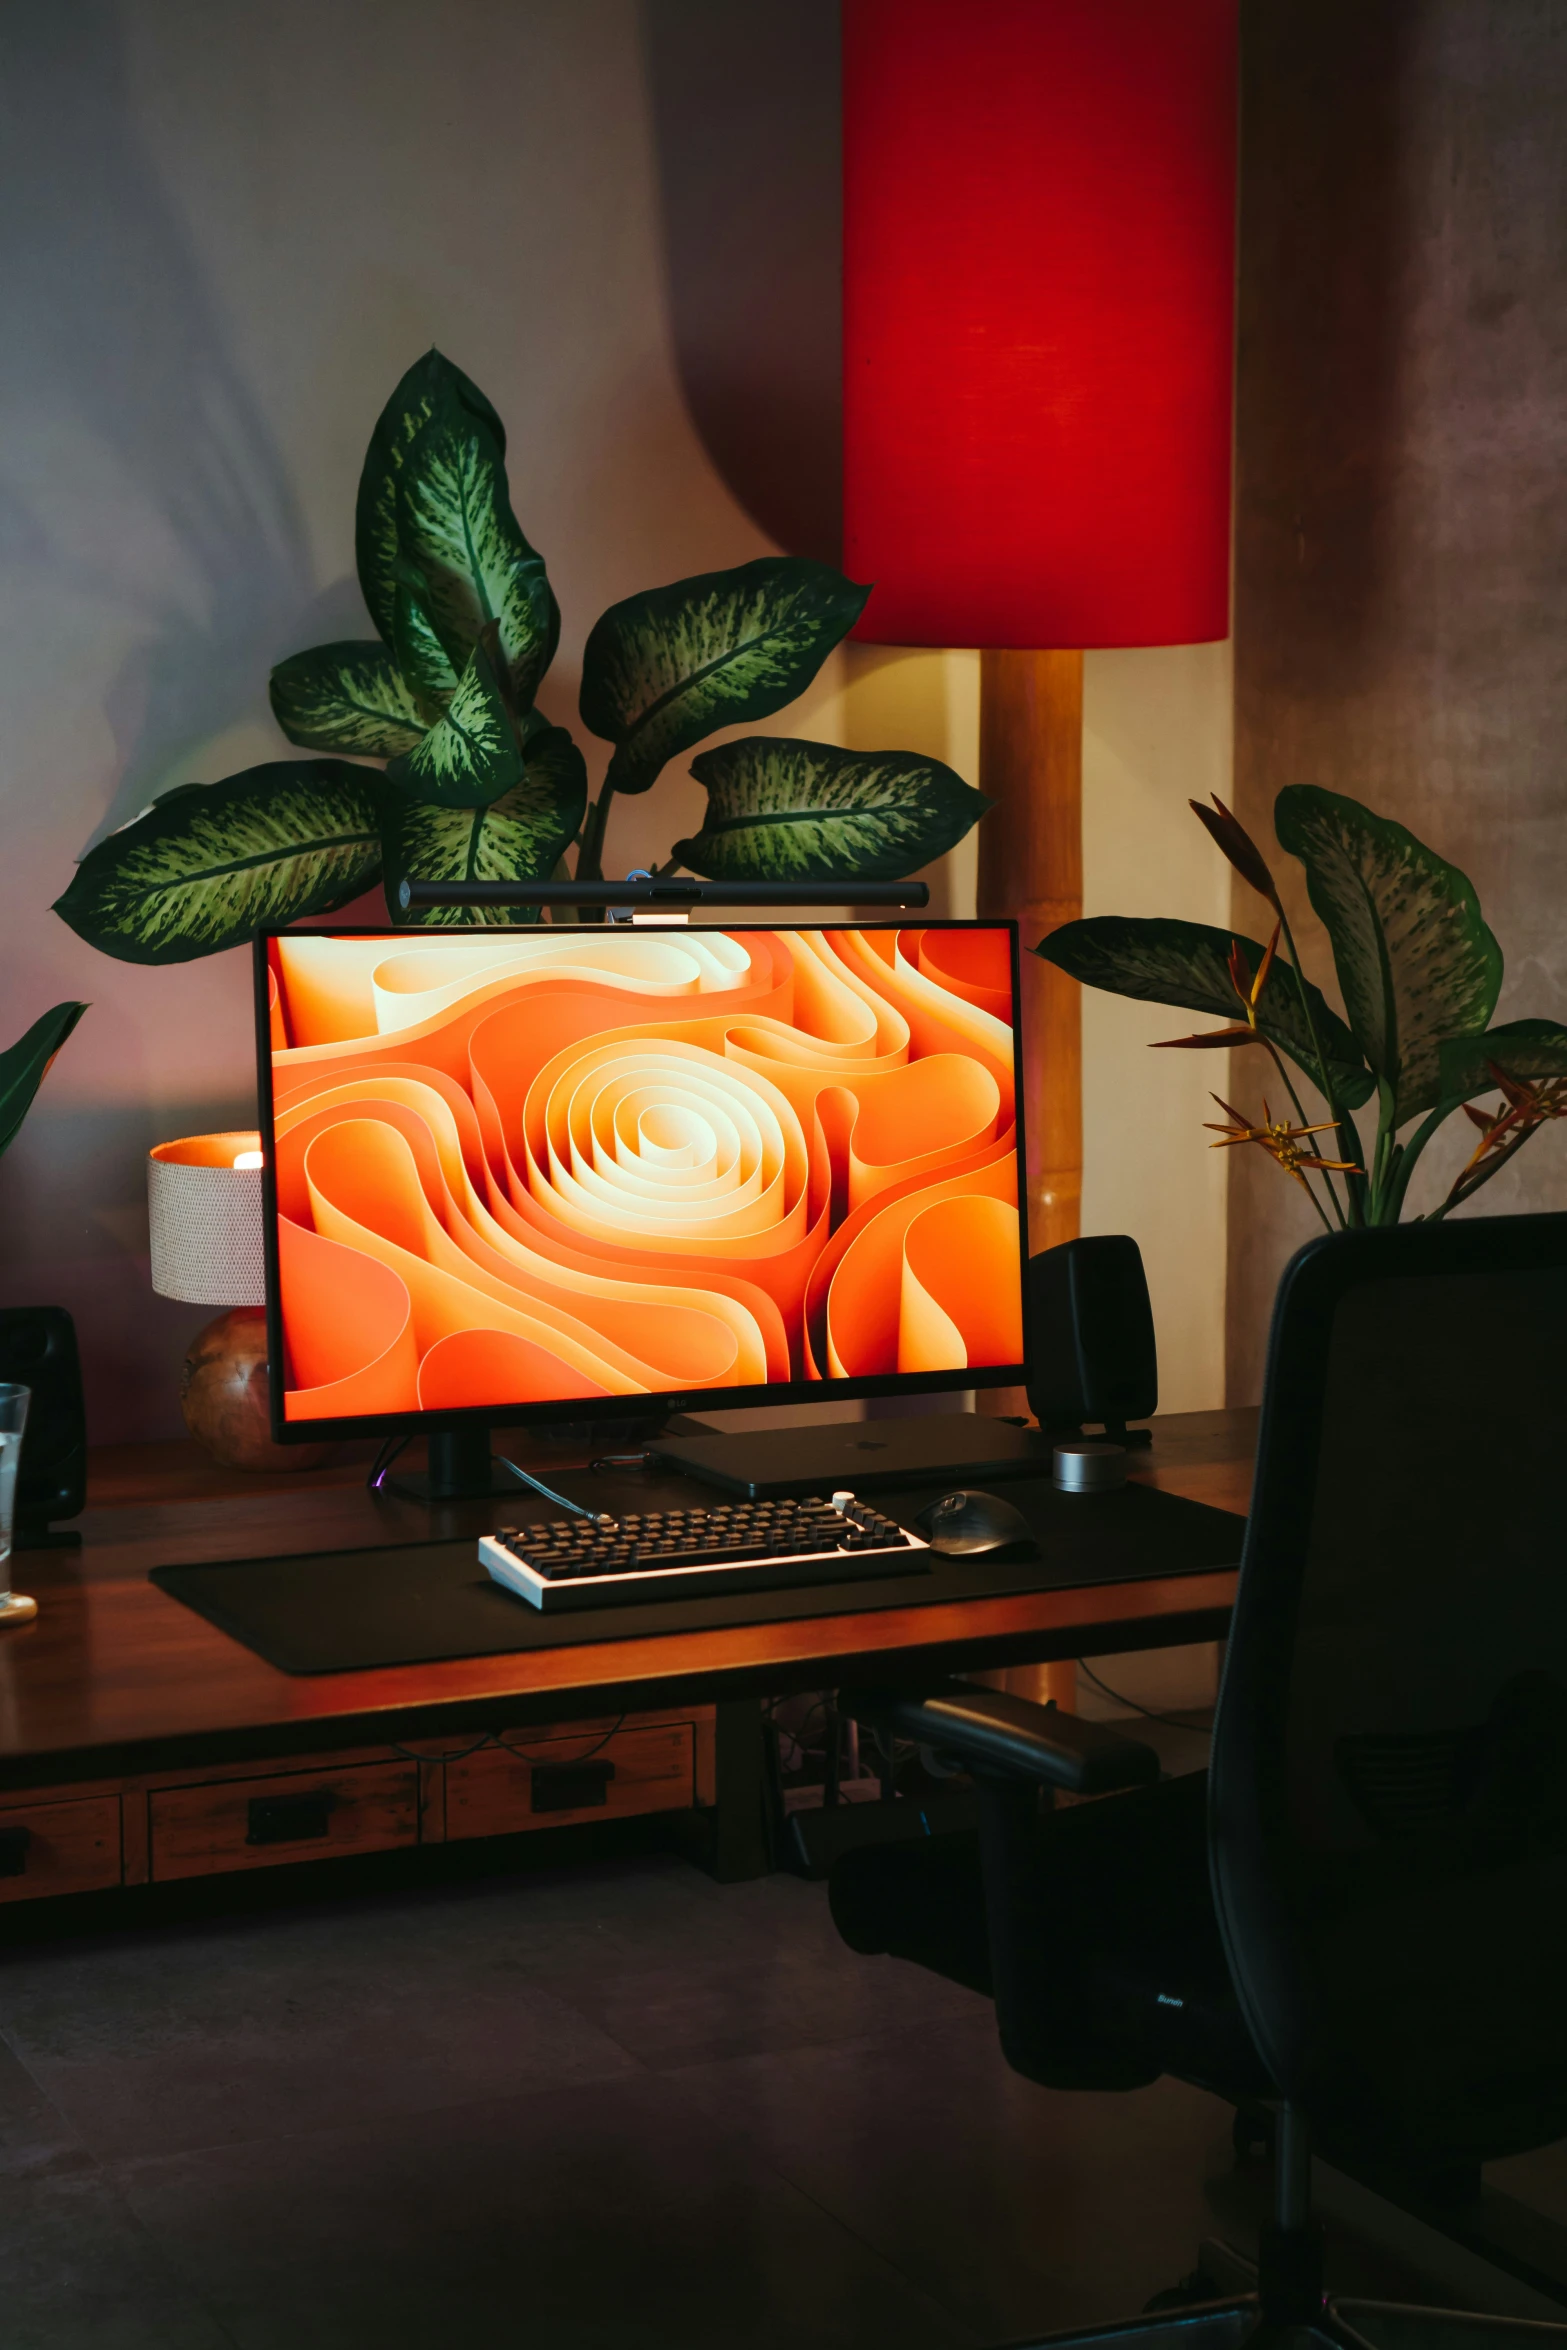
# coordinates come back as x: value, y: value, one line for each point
x: 519, y: 1172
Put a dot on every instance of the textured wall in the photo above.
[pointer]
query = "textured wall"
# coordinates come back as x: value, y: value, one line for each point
x: 1401, y: 563
x: 224, y: 231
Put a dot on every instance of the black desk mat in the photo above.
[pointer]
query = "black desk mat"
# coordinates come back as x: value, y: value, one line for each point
x: 414, y: 1603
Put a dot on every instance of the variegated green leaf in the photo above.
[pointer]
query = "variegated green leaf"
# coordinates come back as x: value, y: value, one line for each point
x: 430, y: 383
x: 1187, y: 963
x: 208, y: 865
x: 24, y: 1068
x: 519, y: 837
x: 667, y: 667
x: 1416, y: 963
x: 471, y: 757
x: 349, y: 697
x: 454, y: 521
x: 421, y: 656
x: 780, y: 810
x: 1526, y: 1049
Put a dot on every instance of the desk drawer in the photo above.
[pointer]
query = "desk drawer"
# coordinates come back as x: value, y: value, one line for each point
x: 292, y: 1815
x: 546, y: 1782
x: 71, y: 1847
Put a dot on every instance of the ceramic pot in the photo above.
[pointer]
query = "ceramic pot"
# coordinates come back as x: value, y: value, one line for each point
x: 223, y: 1395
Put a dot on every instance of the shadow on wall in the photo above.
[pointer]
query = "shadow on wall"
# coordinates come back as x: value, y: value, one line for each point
x: 1320, y: 334
x: 76, y: 1236
x: 1320, y: 423
x: 1401, y: 549
x: 112, y: 330
x: 746, y: 129
x: 138, y: 481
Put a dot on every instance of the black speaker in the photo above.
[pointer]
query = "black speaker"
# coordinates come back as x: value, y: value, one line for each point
x: 1090, y: 1340
x: 38, y: 1350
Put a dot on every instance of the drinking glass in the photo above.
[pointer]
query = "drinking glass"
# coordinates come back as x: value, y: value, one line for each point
x: 14, y: 1607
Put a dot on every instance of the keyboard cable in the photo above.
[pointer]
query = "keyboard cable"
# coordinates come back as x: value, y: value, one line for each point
x: 381, y: 1468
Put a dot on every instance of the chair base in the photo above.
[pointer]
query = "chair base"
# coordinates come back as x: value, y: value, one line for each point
x: 1342, y: 2325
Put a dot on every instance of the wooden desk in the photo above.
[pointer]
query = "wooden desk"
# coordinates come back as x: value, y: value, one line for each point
x: 118, y: 1692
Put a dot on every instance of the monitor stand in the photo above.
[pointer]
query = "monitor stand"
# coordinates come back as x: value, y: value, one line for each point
x: 459, y: 1466
x: 461, y: 1463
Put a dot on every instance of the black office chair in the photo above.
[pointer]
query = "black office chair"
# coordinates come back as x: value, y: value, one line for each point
x: 1360, y: 1911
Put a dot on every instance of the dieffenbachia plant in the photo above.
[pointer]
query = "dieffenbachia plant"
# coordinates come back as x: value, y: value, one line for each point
x: 1419, y: 973
x: 474, y: 784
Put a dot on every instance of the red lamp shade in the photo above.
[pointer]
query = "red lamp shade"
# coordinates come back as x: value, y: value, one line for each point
x: 1039, y: 220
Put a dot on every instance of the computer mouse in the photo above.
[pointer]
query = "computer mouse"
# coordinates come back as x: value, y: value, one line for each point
x: 967, y: 1525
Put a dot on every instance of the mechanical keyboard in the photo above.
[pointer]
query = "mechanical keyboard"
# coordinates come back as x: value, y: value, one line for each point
x: 692, y: 1553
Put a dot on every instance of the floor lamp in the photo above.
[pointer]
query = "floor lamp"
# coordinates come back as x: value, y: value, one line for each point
x: 1039, y: 207
x: 1039, y: 238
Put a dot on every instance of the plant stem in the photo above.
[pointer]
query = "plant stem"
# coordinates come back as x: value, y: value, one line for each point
x: 1411, y: 1153
x: 1302, y: 1120
x: 1465, y: 1190
x: 1386, y: 1162
x: 590, y: 863
x: 1354, y: 1184
x: 1317, y: 1204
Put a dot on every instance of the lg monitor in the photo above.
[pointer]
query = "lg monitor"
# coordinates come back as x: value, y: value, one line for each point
x: 547, y: 1173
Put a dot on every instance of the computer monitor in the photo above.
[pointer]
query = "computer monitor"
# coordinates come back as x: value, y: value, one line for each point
x: 548, y: 1173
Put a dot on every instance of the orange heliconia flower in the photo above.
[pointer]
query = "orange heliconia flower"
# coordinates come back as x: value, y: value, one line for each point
x: 1525, y: 1105
x: 1280, y: 1140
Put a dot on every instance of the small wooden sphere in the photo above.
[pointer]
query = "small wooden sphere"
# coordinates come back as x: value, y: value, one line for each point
x: 223, y: 1395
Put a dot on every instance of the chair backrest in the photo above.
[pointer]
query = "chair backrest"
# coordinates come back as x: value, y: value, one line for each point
x: 1388, y: 1794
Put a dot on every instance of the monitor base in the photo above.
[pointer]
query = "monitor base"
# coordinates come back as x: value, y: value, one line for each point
x: 418, y: 1486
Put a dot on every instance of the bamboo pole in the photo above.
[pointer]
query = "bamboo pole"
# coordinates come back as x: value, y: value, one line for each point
x: 1031, y: 869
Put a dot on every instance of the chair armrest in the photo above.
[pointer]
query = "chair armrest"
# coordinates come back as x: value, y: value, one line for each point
x: 1000, y: 1736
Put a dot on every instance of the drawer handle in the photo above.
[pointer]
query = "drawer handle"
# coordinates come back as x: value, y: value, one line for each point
x: 571, y: 1786
x: 289, y: 1819
x: 13, y: 1851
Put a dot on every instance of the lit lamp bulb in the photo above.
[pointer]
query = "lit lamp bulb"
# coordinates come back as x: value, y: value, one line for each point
x: 246, y: 1161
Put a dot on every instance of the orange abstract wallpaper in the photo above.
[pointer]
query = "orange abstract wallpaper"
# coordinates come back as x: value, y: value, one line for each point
x: 541, y: 1165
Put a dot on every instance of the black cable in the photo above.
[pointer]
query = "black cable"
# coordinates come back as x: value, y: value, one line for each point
x: 1198, y: 1729
x: 495, y: 1738
x: 459, y: 1754
x: 615, y: 1463
x: 381, y: 1465
x: 817, y: 1705
x: 597, y: 1747
x: 526, y: 1477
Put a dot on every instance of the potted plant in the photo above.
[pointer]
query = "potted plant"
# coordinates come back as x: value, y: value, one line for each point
x: 1419, y: 973
x: 473, y: 783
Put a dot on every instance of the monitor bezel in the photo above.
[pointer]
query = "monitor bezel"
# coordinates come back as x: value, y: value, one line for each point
x: 588, y: 1407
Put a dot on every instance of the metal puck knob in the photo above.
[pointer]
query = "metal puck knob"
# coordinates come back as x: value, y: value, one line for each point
x: 1088, y: 1468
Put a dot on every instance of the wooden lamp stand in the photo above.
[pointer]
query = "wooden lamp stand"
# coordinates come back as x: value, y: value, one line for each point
x: 1031, y: 872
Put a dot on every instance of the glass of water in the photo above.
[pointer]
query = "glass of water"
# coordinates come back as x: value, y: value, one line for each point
x: 14, y: 1608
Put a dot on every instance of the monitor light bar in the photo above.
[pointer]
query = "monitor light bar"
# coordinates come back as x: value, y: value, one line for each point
x: 413, y: 896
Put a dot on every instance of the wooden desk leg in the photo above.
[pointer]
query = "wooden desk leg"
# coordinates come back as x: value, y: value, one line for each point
x: 742, y: 1843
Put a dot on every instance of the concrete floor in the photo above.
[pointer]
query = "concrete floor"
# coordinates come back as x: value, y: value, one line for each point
x: 586, y: 2107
